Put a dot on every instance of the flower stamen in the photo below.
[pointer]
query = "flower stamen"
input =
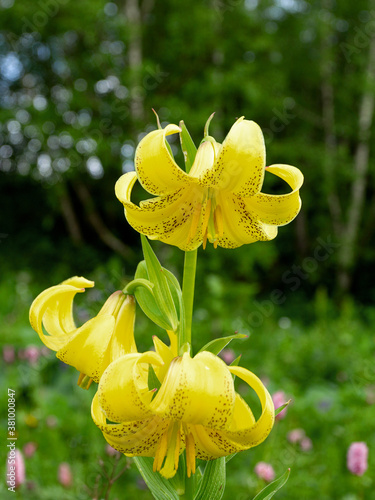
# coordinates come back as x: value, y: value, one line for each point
x: 84, y: 381
x: 190, y: 452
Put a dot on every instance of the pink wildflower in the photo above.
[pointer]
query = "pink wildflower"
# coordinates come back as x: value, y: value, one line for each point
x: 279, y: 398
x: 228, y: 355
x: 306, y: 444
x: 296, y: 435
x: 64, y: 475
x: 15, y: 469
x: 9, y: 354
x: 29, y: 449
x: 264, y: 471
x: 32, y: 354
x: 357, y: 458
x: 111, y: 452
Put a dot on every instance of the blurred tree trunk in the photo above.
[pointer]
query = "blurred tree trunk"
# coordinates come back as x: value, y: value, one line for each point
x: 98, y: 224
x: 345, y: 223
x: 328, y: 118
x: 69, y: 215
x: 133, y: 16
x: 347, y: 253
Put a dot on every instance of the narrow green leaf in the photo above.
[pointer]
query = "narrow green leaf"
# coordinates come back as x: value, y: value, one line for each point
x: 146, y: 299
x: 213, y: 482
x: 280, y: 409
x: 217, y: 345
x: 188, y: 147
x: 229, y: 457
x: 268, y: 492
x: 175, y: 289
x: 161, y: 291
x: 153, y: 381
x: 236, y: 361
x: 158, y: 485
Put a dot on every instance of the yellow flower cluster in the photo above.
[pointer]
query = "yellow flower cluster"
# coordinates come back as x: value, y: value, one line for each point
x: 195, y: 406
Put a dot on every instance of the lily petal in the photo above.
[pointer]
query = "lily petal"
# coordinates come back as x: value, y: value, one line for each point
x: 123, y: 391
x: 204, y: 159
x: 240, y: 165
x: 253, y: 433
x: 278, y: 209
x: 135, y: 438
x: 212, y: 443
x: 88, y: 343
x: 156, y: 169
x: 54, y: 308
x: 196, y: 390
x: 241, y: 226
x: 122, y: 340
x: 166, y: 218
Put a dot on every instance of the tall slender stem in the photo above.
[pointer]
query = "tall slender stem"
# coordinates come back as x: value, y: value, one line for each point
x: 189, y: 488
x: 188, y: 285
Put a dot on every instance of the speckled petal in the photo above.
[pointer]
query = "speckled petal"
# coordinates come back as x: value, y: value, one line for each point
x: 166, y: 218
x: 241, y: 226
x: 278, y: 209
x: 204, y: 159
x: 196, y: 390
x: 133, y: 438
x: 157, y: 171
x: 87, y: 346
x: 54, y: 309
x: 122, y: 341
x: 239, y: 167
x: 212, y: 443
x: 123, y: 392
x: 251, y: 434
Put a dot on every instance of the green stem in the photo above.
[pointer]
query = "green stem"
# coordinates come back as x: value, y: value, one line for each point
x: 188, y: 285
x: 189, y: 488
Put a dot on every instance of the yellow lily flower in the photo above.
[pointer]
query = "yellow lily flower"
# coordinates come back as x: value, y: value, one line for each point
x: 219, y: 199
x: 196, y: 408
x: 93, y: 346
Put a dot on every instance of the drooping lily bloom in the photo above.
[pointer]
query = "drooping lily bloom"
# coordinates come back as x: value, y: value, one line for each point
x: 196, y: 408
x: 93, y: 346
x: 219, y: 199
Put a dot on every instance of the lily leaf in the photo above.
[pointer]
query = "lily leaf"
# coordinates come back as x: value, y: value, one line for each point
x: 213, y: 482
x: 280, y: 409
x: 153, y: 381
x: 162, y: 293
x: 146, y: 299
x: 159, y: 487
x: 217, y: 345
x: 268, y: 492
x: 188, y: 147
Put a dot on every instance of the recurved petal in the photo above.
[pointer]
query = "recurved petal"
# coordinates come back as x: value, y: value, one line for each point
x: 278, y: 209
x: 239, y: 167
x: 204, y: 159
x: 167, y: 218
x: 134, y: 438
x: 213, y: 443
x: 87, y: 347
x: 156, y: 169
x: 123, y: 392
x: 196, y: 390
x: 122, y: 341
x: 239, y: 225
x: 247, y: 433
x: 53, y: 308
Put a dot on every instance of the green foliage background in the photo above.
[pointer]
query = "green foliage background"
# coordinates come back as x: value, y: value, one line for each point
x: 77, y: 84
